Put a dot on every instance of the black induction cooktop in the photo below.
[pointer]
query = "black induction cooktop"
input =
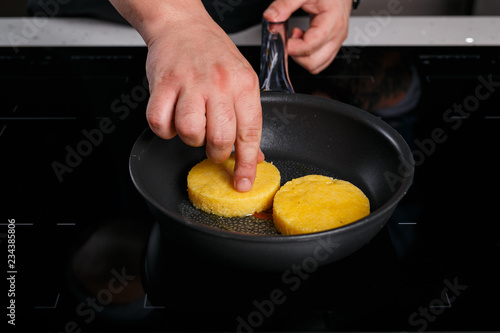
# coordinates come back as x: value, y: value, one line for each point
x: 80, y: 250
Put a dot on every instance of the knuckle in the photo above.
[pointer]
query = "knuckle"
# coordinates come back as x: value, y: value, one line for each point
x: 189, y: 116
x: 248, y: 79
x: 250, y: 135
x: 245, y: 167
x: 154, y: 122
x: 314, y: 70
x: 307, y: 52
x: 307, y: 65
x: 160, y: 128
x: 189, y: 131
x: 223, y: 134
x: 220, y: 76
x: 225, y: 116
x: 161, y: 78
x: 221, y: 141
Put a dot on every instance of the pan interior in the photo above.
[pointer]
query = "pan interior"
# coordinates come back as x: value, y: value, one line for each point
x: 253, y: 224
x: 301, y: 136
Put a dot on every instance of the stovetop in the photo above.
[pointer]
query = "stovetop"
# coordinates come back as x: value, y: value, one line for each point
x: 81, y: 252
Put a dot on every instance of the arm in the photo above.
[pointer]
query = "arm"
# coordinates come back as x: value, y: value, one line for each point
x: 201, y: 87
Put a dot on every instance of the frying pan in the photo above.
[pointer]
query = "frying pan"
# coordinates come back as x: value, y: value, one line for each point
x: 301, y: 135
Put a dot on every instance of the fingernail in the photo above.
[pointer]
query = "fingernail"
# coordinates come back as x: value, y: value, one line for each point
x: 244, y: 185
x: 271, y: 14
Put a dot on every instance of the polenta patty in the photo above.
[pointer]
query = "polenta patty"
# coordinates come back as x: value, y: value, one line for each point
x: 210, y: 188
x: 316, y: 203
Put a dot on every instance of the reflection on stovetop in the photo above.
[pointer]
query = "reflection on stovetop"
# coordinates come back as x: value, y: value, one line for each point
x: 304, y: 296
x: 90, y: 257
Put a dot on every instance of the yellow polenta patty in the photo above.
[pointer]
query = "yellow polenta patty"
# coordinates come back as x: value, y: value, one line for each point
x: 315, y: 203
x: 210, y: 188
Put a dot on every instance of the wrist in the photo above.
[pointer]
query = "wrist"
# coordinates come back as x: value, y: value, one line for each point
x: 152, y: 17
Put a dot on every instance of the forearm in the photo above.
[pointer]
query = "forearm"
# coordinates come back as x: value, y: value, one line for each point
x: 149, y: 17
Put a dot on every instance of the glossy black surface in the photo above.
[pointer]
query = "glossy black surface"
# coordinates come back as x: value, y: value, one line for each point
x: 82, y: 236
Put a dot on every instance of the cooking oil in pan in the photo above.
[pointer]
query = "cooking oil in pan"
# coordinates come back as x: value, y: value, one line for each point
x: 259, y: 223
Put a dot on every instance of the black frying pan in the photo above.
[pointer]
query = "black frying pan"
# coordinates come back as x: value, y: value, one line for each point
x: 301, y: 135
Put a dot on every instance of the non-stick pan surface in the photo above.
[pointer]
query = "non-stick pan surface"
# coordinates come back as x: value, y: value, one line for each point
x: 302, y: 135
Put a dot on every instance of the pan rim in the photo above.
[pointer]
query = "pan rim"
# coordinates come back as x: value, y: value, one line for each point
x: 389, y: 132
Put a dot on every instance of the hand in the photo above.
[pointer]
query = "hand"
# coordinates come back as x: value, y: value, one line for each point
x: 201, y: 86
x: 315, y: 48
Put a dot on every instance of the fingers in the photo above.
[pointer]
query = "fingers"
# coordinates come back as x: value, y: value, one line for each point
x: 316, y: 36
x: 189, y: 118
x: 317, y: 47
x: 236, y: 119
x: 281, y: 10
x: 310, y: 53
x: 209, y: 98
x: 221, y: 129
x: 160, y: 111
x: 249, y: 127
x: 215, y: 117
x: 261, y: 156
x: 172, y: 112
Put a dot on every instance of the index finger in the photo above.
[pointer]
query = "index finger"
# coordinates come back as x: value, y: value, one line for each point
x: 315, y: 37
x: 248, y: 134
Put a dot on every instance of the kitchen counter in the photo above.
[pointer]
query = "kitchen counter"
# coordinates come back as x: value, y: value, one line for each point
x: 368, y: 30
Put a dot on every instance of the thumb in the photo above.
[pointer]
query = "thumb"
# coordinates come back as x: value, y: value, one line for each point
x: 281, y: 10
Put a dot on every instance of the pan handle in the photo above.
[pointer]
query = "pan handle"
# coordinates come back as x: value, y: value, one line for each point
x: 274, y: 58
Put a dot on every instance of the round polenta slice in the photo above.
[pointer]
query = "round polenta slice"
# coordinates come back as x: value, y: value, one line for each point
x: 316, y: 203
x: 210, y: 188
